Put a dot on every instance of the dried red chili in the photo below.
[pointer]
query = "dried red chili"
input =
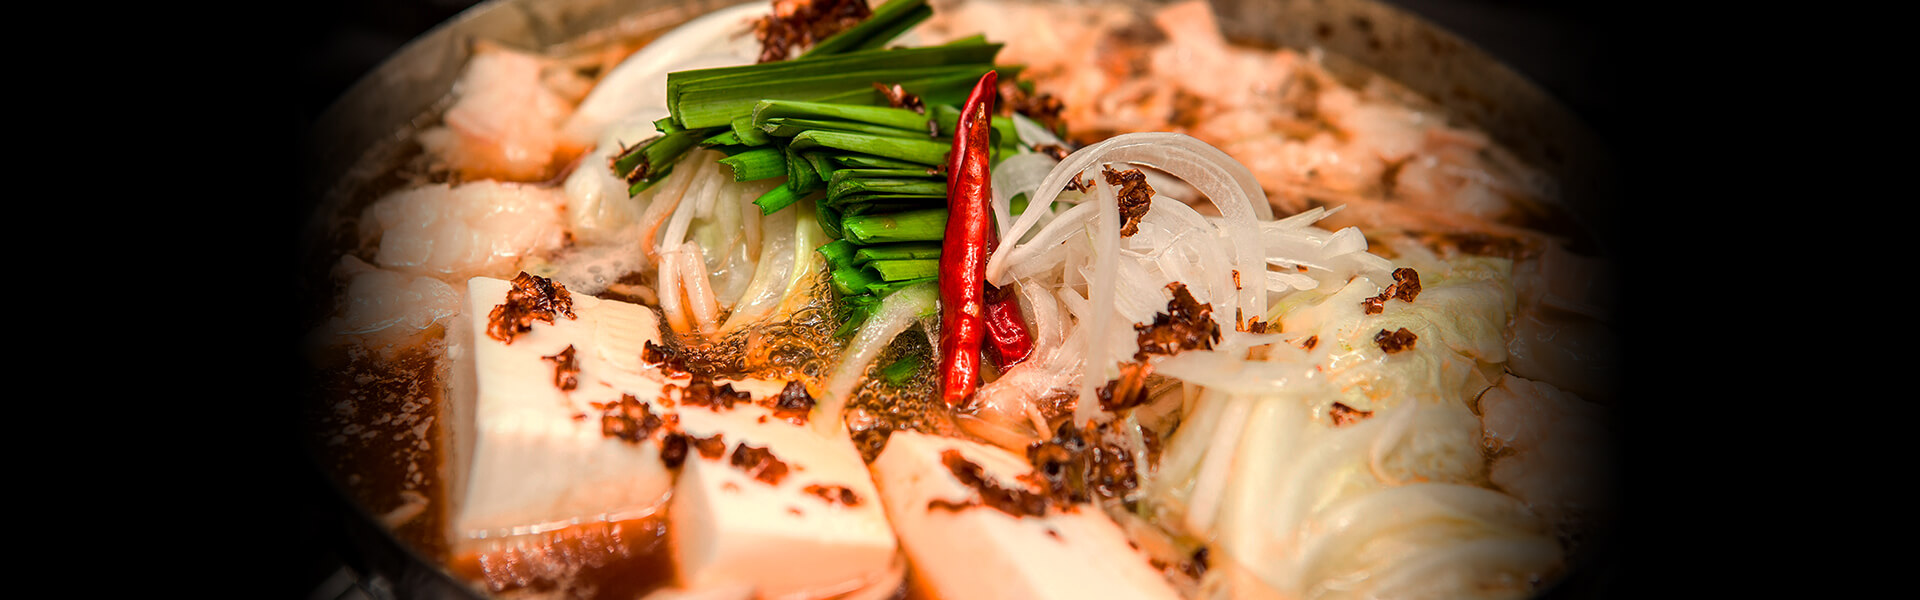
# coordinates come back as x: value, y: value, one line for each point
x: 965, y: 249
x: 1012, y: 342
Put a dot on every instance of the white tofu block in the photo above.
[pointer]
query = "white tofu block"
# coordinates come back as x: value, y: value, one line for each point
x: 728, y: 526
x: 534, y: 455
x: 981, y: 552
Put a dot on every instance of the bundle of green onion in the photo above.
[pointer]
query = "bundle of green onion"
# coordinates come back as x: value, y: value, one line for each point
x: 824, y: 122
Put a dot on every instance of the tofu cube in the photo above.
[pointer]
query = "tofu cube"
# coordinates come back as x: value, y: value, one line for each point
x: 530, y: 455
x: 963, y: 551
x: 811, y: 524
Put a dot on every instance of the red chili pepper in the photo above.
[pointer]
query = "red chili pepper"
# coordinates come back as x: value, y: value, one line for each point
x: 964, y: 250
x: 1011, y: 341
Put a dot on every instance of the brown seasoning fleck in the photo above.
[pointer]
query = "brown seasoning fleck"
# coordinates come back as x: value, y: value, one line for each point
x: 566, y: 369
x: 1013, y: 501
x: 759, y: 463
x: 1395, y: 342
x: 532, y: 298
x: 1405, y: 286
x: 1042, y: 108
x: 710, y: 447
x: 799, y: 24
x: 833, y: 494
x: 1186, y: 325
x: 1135, y: 197
x: 1344, y: 415
x: 898, y: 97
x: 793, y: 403
x: 666, y: 359
x: 628, y: 420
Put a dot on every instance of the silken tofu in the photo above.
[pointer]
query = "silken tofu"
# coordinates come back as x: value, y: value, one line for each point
x: 783, y: 505
x: 962, y: 549
x: 535, y: 452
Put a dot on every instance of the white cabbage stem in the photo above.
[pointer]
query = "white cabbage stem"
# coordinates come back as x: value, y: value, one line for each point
x: 703, y: 306
x: 770, y: 277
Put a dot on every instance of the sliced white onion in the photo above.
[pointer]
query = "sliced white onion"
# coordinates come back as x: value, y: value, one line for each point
x: 1225, y: 181
x: 1106, y: 257
x: 1071, y: 222
x: 1012, y: 177
x: 1043, y: 311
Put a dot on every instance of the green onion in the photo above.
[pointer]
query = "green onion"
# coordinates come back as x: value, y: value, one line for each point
x: 933, y: 87
x: 791, y: 126
x: 861, y: 255
x: 800, y: 174
x: 854, y: 281
x: 868, y: 161
x: 821, y: 163
x: 902, y: 270
x: 652, y: 159
x: 867, y: 204
x: 756, y: 164
x: 925, y: 152
x: 782, y: 196
x: 883, y: 289
x: 897, y: 118
x: 744, y: 129
x: 911, y: 226
x: 858, y: 308
x: 830, y: 219
x: 710, y: 97
x: 724, y: 138
x: 634, y: 189
x: 850, y: 181
x: 840, y: 254
x: 902, y: 370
